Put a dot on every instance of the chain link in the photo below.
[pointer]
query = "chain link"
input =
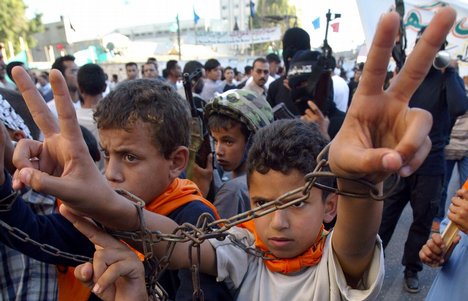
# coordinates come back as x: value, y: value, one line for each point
x: 206, y: 228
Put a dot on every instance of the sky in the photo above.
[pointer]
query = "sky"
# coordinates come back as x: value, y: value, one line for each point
x: 94, y: 18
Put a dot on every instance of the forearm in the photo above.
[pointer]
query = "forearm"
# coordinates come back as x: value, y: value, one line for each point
x: 356, y: 230
x: 53, y: 230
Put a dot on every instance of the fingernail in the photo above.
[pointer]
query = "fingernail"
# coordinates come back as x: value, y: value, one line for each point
x: 96, y: 289
x: 406, y: 171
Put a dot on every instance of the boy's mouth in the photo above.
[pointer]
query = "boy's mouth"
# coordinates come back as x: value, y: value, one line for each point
x: 280, y: 242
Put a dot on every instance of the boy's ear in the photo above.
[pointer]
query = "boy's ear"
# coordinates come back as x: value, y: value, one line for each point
x: 331, y: 205
x: 179, y: 160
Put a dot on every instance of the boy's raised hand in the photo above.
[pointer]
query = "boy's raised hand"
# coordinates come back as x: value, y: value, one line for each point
x: 116, y: 273
x: 381, y: 134
x: 62, y: 165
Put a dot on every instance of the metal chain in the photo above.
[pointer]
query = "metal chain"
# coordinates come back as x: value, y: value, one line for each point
x: 17, y: 233
x: 206, y: 228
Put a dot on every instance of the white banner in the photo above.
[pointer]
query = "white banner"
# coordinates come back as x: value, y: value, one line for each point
x: 254, y: 36
x: 418, y: 13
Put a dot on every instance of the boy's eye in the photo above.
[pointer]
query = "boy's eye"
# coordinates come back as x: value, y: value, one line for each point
x: 299, y: 204
x: 260, y: 203
x: 130, y: 157
x: 105, y: 153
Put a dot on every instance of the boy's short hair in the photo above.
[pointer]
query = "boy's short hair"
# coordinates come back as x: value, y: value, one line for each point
x: 211, y: 64
x: 129, y: 64
x: 218, y: 121
x: 91, y: 79
x: 273, y: 57
x: 151, y: 102
x: 285, y: 145
x: 59, y: 63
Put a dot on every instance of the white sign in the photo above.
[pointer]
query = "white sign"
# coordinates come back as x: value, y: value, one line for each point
x: 418, y: 13
x: 254, y: 36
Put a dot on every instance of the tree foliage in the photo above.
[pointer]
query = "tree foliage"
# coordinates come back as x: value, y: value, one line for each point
x: 14, y: 24
x: 271, y: 13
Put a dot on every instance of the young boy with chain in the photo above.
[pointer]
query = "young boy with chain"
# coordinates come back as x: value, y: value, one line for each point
x: 144, y: 133
x: 372, y: 144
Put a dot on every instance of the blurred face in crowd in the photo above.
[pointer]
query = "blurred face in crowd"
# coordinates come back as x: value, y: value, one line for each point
x: 176, y: 71
x: 229, y: 146
x: 132, y: 72
x: 260, y: 73
x: 214, y: 74
x: 150, y: 71
x: 274, y: 68
x: 71, y: 75
x: 229, y: 75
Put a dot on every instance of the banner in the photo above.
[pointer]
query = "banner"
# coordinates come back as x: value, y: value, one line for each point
x: 254, y: 36
x: 418, y: 13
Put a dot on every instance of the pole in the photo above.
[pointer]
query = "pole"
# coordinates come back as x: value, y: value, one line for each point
x: 178, y: 37
x: 325, y: 42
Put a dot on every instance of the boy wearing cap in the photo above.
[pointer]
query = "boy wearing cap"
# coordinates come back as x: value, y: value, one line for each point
x: 345, y: 264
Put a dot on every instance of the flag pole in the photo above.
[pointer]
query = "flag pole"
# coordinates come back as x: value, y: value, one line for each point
x: 178, y: 36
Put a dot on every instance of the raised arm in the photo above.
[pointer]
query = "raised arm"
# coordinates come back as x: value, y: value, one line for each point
x: 65, y: 169
x: 381, y: 135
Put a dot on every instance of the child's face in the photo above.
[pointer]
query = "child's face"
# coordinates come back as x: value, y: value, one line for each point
x: 133, y: 163
x: 289, y: 232
x: 229, y: 146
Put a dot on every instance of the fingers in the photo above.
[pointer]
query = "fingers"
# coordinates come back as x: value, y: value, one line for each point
x: 458, y: 213
x: 111, y: 264
x: 84, y: 273
x: 25, y: 150
x: 375, y: 70
x: 420, y: 59
x: 90, y: 230
x: 68, y: 122
x: 36, y: 104
x: 415, y: 143
x: 432, y: 253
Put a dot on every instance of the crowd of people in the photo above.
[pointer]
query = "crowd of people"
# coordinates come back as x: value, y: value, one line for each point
x: 86, y: 160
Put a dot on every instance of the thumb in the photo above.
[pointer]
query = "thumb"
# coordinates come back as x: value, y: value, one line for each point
x: 84, y: 273
x: 38, y: 180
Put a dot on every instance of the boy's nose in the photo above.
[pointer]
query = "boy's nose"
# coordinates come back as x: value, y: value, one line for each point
x: 112, y: 172
x: 219, y: 150
x: 279, y: 219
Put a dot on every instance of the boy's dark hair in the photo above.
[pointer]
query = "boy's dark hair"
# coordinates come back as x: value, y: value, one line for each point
x: 273, y: 57
x: 218, y: 121
x: 285, y: 145
x: 192, y: 66
x: 91, y: 79
x: 259, y: 59
x: 91, y: 143
x: 151, y: 102
x: 227, y: 68
x: 129, y: 64
x: 248, y: 69
x: 59, y: 63
x: 171, y: 64
x: 211, y: 64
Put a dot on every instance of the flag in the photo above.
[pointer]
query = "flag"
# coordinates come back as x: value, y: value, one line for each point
x: 335, y: 26
x: 252, y: 8
x: 195, y: 17
x: 316, y: 23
